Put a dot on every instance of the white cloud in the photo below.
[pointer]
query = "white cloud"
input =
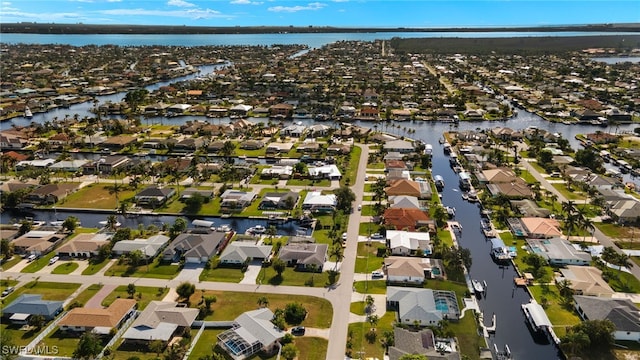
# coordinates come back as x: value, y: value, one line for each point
x: 190, y: 13
x: 6, y: 3
x: 180, y: 3
x: 310, y: 6
x: 246, y: 2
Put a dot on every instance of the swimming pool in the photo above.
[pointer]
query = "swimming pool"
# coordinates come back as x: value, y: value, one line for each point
x: 235, y: 349
x: 442, y: 305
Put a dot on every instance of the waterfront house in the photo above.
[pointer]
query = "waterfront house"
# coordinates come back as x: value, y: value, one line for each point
x: 160, y: 320
x: 406, y: 243
x: 517, y: 189
x: 282, y: 172
x: 540, y: 228
x: 282, y: 110
x: 251, y: 332
x: 238, y: 252
x: 401, y: 146
x: 425, y: 307
x: 190, y: 192
x: 83, y: 246
x: 50, y: 193
x: 315, y: 201
x: 98, y: 320
x: 558, y: 252
x: 330, y: 172
x: 412, y: 270
x: 153, y: 196
x: 308, y: 147
x: 304, y: 256
x: 295, y: 131
x: 12, y: 141
x: 119, y: 142
x: 194, y: 248
x: 623, y: 313
x: 404, y: 202
x: 106, y: 165
x: 235, y: 200
x: 406, y: 219
x: 421, y: 190
x: 626, y: 211
x: 251, y: 145
x: 279, y: 201
x: 37, y: 242
x: 529, y: 208
x: 68, y: 165
x: 24, y: 306
x: 278, y: 148
x: 408, y: 342
x: 37, y: 163
x: 586, y: 280
x: 149, y: 247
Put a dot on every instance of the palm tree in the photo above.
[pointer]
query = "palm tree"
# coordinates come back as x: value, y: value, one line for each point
x: 336, y: 251
x: 116, y: 189
x: 112, y: 221
x: 569, y: 207
x: 571, y: 223
x: 587, y: 225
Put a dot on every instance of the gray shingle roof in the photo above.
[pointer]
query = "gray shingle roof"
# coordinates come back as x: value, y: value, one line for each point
x: 34, y: 305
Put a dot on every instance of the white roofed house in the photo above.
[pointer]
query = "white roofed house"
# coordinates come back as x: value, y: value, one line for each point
x: 401, y: 146
x: 238, y: 252
x: 83, y: 245
x: 412, y: 270
x: 426, y: 307
x: 149, y: 247
x: 304, y: 256
x: 330, y: 172
x: 277, y: 172
x: 405, y: 243
x: 251, y: 333
x: 317, y: 202
x: 160, y: 320
x: 235, y: 200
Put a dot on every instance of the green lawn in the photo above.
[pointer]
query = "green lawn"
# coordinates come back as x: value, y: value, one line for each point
x: 230, y: 305
x: 369, y: 228
x: 148, y: 294
x: 88, y: 293
x: 570, y: 195
x: 369, y: 257
x: 561, y: 315
x: 358, y: 307
x: 290, y: 277
x: 222, y: 274
x: 526, y: 176
x: 205, y: 344
x: 66, y: 268
x: 619, y: 232
x: 156, y: 269
x: 48, y: 290
x: 11, y: 262
x: 311, y: 348
x: 368, y: 210
x: 66, y: 343
x: 96, y: 196
x: 38, y: 264
x: 93, y: 268
x: 371, y: 286
x: 352, y: 168
x: 309, y: 182
x: 5, y: 283
x: 466, y: 331
x: 622, y: 281
x: 358, y: 341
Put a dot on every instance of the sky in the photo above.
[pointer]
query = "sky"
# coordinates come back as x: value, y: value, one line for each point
x: 339, y: 13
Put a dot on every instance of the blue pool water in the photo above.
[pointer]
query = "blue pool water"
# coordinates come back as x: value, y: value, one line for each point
x: 233, y: 347
x: 441, y: 305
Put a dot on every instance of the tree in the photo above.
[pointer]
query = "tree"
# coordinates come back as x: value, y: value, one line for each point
x: 6, y: 248
x: 345, y: 198
x: 599, y: 336
x: 7, y: 343
x: 278, y: 266
x: 179, y: 225
x: 289, y: 351
x: 131, y: 290
x: 228, y: 148
x: 36, y: 321
x: 194, y: 203
x: 70, y: 223
x: 369, y: 301
x: 387, y: 339
x: 185, y: 290
x: 88, y: 347
x: 589, y: 158
x: 156, y: 346
x: 112, y: 222
x: 134, y: 257
x: 294, y: 313
x: 263, y: 301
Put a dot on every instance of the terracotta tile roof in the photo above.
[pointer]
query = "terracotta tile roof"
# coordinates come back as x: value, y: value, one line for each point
x: 404, y: 218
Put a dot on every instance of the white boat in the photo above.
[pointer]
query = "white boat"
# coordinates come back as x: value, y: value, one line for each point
x: 56, y: 223
x: 477, y: 286
x: 258, y: 229
x: 224, y: 228
x: 104, y: 223
x: 451, y: 211
x: 27, y: 113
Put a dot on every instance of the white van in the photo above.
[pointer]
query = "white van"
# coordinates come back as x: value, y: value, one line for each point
x: 31, y: 257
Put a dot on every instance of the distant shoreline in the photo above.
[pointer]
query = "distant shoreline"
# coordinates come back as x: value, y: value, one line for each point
x: 89, y: 29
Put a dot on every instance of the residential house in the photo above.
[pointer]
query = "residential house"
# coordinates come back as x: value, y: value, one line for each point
x: 540, y: 228
x: 119, y: 142
x: 308, y: 147
x: 153, y: 196
x: 69, y: 165
x: 406, y: 243
x: 98, y: 320
x: 586, y: 280
x: 106, y: 165
x: 281, y: 110
x: 195, y: 248
x: 282, y: 172
x: 412, y: 270
x: 235, y: 200
x: 278, y: 148
x: 404, y: 202
x: 406, y: 219
x: 12, y: 141
x: 330, y: 172
x: 160, y: 320
x: 190, y: 192
x: 498, y: 175
x: 338, y: 149
x: 251, y: 333
x: 149, y: 247
x: 401, y: 146
x: 516, y: 190
x: 318, y: 130
x: 625, y: 211
x: 409, y: 342
x: 50, y: 193
x: 304, y: 256
x: 251, y: 145
x: 315, y: 201
x: 419, y: 189
x: 279, y: 201
x: 295, y: 131
x: 529, y: 208
x: 623, y: 313
x: 37, y: 163
x: 37, y: 242
x: 426, y: 307
x: 559, y: 252
x: 83, y: 246
x: 26, y: 305
x: 238, y: 252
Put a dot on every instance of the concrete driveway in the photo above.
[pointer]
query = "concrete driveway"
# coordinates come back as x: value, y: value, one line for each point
x: 253, y: 270
x: 191, y: 273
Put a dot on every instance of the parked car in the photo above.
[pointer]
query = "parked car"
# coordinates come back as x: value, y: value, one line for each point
x: 31, y: 257
x: 377, y: 236
x: 8, y: 291
x: 53, y: 260
x: 298, y: 331
x: 344, y: 236
x: 377, y: 275
x: 359, y: 207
